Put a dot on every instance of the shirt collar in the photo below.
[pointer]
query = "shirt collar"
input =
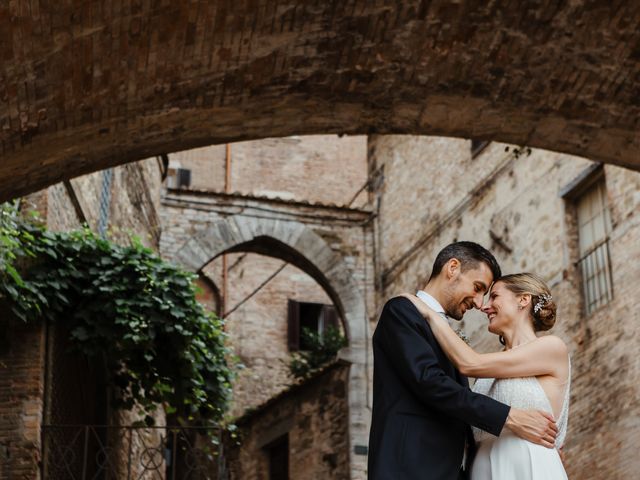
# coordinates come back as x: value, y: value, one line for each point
x: 430, y: 301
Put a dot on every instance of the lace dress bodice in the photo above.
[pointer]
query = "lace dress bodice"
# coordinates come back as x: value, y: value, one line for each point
x: 526, y: 394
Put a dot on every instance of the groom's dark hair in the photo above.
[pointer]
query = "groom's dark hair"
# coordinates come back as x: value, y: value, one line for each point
x: 469, y: 254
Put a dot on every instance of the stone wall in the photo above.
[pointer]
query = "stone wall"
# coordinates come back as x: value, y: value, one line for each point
x: 314, y: 417
x: 133, y: 206
x: 435, y: 193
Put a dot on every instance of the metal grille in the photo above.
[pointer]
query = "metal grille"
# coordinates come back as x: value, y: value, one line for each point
x: 596, y: 277
x: 105, y: 202
x: 594, y: 226
x: 117, y: 452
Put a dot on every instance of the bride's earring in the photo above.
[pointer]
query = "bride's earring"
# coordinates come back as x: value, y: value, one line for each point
x: 520, y: 307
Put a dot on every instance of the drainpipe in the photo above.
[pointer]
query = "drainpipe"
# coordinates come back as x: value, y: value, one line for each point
x: 227, y: 189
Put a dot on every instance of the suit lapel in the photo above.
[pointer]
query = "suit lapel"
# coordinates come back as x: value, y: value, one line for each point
x: 444, y: 361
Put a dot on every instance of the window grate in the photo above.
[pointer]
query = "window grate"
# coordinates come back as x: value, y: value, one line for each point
x: 594, y: 226
x: 105, y: 202
x: 595, y: 268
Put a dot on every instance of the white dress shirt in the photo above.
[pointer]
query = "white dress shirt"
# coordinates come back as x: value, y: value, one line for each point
x: 430, y: 301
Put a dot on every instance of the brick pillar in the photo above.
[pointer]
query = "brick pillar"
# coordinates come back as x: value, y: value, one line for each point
x: 22, y: 367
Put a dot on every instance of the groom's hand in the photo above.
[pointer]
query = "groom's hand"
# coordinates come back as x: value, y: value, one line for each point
x: 533, y: 425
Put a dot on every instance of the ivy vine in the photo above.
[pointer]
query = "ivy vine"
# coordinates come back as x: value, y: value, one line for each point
x: 126, y: 305
x: 322, y: 348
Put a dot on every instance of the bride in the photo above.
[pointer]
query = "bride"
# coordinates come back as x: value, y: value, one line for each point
x: 530, y: 373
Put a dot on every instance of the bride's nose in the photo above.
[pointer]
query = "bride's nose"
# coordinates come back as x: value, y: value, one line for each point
x: 485, y: 307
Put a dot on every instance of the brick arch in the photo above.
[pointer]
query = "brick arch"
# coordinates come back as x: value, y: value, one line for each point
x: 290, y: 241
x: 300, y: 245
x: 87, y: 88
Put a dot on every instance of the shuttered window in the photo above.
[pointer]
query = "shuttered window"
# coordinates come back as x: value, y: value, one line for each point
x: 317, y: 317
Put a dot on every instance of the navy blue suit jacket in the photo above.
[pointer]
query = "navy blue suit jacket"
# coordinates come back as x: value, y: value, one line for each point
x: 422, y: 406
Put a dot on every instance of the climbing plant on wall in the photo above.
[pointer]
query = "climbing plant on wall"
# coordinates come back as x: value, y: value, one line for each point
x: 125, y: 304
x: 322, y: 349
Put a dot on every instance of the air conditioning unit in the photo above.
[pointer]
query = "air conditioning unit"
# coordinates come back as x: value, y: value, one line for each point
x: 178, y: 178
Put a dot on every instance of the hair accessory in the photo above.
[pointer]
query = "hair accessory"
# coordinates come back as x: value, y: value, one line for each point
x: 542, y: 301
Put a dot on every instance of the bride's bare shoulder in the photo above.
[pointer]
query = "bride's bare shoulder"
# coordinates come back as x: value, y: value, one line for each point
x: 554, y: 344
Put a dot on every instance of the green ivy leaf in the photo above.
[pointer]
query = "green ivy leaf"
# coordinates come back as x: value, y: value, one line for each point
x: 13, y: 273
x: 122, y: 303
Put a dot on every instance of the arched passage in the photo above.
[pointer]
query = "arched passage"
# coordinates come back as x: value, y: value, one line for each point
x: 301, y: 246
x: 87, y: 88
x: 209, y: 294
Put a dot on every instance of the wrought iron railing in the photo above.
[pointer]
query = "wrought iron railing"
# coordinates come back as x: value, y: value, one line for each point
x: 97, y: 452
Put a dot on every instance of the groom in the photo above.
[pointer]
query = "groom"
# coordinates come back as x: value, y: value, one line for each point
x: 422, y: 406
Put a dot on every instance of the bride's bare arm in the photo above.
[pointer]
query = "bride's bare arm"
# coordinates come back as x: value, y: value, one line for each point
x: 544, y: 356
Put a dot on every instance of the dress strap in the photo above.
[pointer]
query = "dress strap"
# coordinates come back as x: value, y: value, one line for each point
x: 564, y: 413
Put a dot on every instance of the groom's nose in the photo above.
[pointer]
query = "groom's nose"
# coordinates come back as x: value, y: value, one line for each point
x: 477, y: 300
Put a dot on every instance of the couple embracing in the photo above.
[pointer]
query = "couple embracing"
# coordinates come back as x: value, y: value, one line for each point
x: 427, y: 424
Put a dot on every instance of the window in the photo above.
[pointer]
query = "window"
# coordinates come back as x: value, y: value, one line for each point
x: 184, y: 178
x: 178, y: 177
x: 477, y: 146
x: 278, y: 452
x: 317, y: 317
x: 594, y: 227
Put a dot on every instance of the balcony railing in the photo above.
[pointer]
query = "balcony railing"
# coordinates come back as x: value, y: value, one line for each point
x: 96, y: 452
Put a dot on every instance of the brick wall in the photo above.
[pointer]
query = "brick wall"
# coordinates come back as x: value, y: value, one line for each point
x: 434, y: 193
x: 144, y: 80
x: 431, y: 191
x: 320, y: 168
x: 22, y: 358
x: 264, y: 317
x: 258, y: 328
x: 23, y: 354
x: 314, y: 416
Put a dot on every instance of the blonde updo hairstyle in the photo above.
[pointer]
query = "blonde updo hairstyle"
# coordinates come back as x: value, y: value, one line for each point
x: 530, y: 284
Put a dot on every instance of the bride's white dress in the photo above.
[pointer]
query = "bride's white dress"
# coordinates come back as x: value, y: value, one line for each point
x: 508, y: 457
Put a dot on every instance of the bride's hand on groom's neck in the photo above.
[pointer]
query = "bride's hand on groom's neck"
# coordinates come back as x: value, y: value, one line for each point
x: 422, y: 307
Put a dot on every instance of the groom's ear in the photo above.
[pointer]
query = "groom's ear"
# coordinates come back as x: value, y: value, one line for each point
x: 452, y: 268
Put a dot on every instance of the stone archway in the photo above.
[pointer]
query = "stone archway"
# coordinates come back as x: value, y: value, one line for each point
x: 301, y: 246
